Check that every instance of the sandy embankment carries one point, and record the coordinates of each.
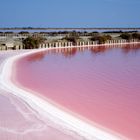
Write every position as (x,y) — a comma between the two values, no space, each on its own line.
(58,116)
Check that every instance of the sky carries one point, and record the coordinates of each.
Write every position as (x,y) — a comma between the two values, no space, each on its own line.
(69,13)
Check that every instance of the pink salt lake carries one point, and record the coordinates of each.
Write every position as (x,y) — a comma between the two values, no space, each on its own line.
(18,121)
(99,85)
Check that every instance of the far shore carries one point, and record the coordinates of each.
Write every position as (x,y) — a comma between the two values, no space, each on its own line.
(34,40)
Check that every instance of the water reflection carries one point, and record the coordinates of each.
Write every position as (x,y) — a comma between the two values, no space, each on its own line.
(71,52)
(36,56)
(134,48)
(99,49)
(66,52)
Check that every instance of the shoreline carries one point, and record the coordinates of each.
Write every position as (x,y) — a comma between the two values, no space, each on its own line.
(70,122)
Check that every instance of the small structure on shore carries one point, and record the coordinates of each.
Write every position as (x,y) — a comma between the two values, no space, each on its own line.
(11,45)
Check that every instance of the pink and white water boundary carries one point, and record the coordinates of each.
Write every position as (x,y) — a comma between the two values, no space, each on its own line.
(61,117)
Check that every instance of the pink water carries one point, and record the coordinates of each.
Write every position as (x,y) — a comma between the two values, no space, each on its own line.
(101,85)
(18,121)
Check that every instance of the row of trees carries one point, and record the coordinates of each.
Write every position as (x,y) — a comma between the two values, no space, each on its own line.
(129,36)
(100,38)
(74,37)
(32,42)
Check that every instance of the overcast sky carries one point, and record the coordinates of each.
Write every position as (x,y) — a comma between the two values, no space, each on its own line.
(70,13)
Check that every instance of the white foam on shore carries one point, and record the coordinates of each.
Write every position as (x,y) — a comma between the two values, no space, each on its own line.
(46,109)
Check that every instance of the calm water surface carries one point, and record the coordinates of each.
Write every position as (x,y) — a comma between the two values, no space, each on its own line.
(102,85)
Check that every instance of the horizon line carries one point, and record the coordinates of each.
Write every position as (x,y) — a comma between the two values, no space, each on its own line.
(69,28)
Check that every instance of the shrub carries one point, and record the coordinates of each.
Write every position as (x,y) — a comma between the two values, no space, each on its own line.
(32,42)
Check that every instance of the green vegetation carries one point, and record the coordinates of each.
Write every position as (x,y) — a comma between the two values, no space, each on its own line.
(100,38)
(72,37)
(24,32)
(136,36)
(32,42)
(129,36)
(126,36)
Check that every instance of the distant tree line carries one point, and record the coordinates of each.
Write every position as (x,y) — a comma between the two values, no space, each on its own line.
(32,42)
(129,36)
(100,38)
(68,33)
